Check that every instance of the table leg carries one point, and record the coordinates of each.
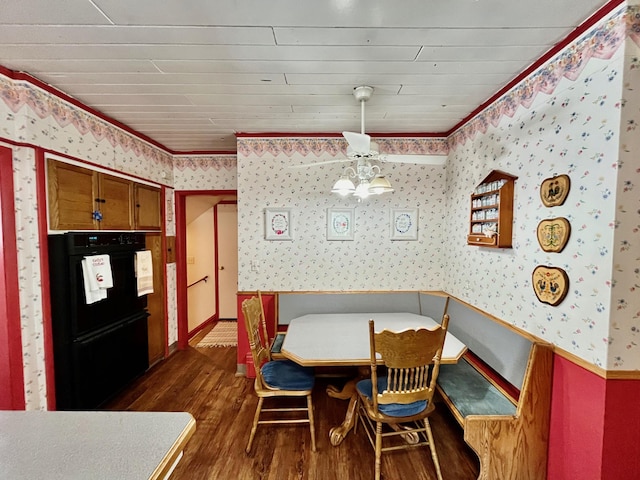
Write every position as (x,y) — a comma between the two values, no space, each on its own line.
(348,392)
(337,434)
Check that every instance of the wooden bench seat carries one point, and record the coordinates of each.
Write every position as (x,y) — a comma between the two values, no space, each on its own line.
(507,427)
(509,438)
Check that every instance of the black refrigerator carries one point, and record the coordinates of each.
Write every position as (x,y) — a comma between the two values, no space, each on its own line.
(99,348)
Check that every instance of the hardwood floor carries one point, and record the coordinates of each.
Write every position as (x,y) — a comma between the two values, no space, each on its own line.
(202,381)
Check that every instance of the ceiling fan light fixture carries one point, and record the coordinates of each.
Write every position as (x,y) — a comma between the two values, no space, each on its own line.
(380,185)
(362,190)
(343,187)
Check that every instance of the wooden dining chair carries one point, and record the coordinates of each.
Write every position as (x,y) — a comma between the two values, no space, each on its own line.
(276,378)
(401,398)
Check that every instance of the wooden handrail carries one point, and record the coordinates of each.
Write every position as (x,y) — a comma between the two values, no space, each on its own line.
(203,279)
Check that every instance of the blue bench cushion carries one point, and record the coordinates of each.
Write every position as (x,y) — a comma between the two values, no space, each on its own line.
(470,392)
(287,375)
(277,343)
(365,387)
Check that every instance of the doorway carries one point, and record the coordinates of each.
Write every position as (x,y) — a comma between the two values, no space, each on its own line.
(227,259)
(206,292)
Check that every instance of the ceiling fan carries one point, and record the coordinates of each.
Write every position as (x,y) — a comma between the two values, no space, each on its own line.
(362,150)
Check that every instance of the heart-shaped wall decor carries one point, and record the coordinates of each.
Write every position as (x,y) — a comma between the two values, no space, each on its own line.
(554,191)
(553,234)
(550,284)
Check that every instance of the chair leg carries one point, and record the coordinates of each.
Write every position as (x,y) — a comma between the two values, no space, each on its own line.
(254,427)
(378,448)
(311,424)
(432,447)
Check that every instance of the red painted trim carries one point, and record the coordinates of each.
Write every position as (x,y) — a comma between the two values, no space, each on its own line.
(503,383)
(333,135)
(209,321)
(216,264)
(577,32)
(189,193)
(12,396)
(163,242)
(23,76)
(207,152)
(181,271)
(49,364)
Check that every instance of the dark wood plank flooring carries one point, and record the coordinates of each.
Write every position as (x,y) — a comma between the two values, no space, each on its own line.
(202,381)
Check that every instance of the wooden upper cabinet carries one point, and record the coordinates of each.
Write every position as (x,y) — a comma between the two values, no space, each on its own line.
(72,194)
(115,203)
(147,207)
(84,199)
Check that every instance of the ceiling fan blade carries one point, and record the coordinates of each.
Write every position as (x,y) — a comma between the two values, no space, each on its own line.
(417,159)
(359,142)
(326,162)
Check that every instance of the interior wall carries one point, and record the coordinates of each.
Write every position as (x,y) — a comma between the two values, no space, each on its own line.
(372,261)
(547,126)
(201,297)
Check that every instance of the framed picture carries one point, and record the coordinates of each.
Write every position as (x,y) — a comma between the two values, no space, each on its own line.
(340,224)
(278,224)
(404,224)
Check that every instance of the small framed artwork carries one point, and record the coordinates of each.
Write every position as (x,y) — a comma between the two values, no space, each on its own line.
(340,224)
(278,224)
(404,224)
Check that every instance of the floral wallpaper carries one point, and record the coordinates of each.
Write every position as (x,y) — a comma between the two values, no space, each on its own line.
(624,334)
(29,277)
(572,126)
(205,172)
(577,115)
(372,261)
(37,117)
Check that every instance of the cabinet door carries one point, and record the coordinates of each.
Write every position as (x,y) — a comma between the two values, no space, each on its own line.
(116,204)
(147,207)
(72,192)
(155,301)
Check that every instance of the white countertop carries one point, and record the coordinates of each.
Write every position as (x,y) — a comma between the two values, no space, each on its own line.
(91,445)
(343,338)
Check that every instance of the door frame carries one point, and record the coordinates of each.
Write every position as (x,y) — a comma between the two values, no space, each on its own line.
(180,197)
(12,395)
(217,253)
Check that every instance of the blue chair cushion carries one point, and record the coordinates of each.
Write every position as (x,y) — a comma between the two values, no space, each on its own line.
(287,375)
(392,409)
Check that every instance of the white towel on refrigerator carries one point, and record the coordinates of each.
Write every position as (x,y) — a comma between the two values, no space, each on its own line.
(97,277)
(144,272)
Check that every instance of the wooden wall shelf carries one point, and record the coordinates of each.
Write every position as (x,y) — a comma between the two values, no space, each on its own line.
(491,218)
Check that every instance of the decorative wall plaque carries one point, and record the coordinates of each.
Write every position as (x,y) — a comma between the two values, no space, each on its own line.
(554,190)
(277,224)
(404,224)
(553,234)
(550,284)
(340,224)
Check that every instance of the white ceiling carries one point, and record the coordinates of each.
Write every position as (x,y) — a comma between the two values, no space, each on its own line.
(189,74)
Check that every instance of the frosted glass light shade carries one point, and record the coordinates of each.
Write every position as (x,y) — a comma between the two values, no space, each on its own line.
(362,190)
(380,185)
(343,187)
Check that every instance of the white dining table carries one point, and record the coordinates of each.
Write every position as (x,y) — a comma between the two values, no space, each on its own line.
(342,339)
